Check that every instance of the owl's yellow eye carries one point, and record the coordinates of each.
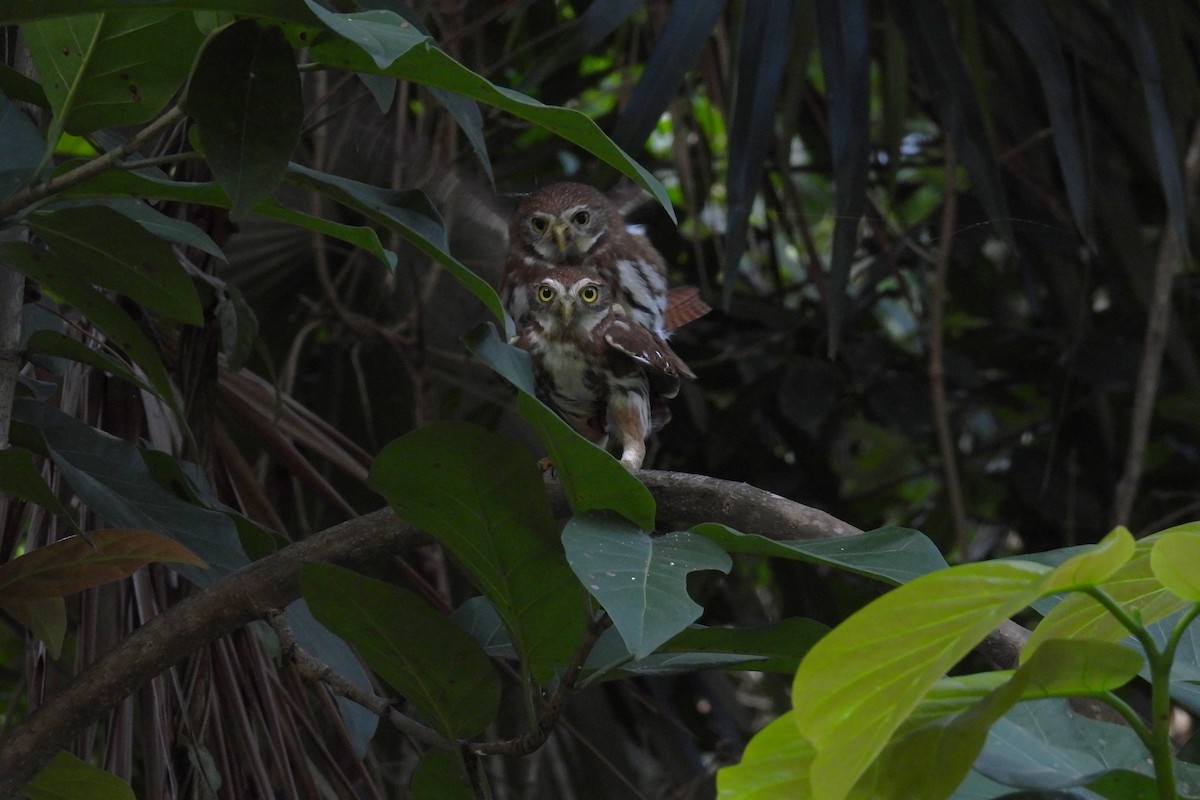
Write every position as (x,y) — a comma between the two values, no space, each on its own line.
(538,224)
(589,294)
(581,217)
(545,293)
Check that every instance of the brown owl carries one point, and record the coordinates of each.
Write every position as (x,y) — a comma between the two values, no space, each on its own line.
(572,225)
(594,365)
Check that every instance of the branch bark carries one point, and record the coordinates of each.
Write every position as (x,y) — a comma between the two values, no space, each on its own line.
(273,582)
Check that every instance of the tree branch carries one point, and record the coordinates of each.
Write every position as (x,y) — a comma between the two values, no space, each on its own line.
(273,582)
(1170,258)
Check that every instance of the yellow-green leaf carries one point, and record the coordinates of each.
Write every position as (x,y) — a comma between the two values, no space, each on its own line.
(1175,560)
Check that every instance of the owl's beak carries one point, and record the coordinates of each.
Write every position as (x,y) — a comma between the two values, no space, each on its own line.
(559,231)
(566,310)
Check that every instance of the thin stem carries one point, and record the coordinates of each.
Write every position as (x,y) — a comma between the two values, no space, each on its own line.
(314,669)
(91,169)
(937,368)
(1129,715)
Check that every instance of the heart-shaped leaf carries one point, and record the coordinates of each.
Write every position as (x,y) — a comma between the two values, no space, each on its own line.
(640,579)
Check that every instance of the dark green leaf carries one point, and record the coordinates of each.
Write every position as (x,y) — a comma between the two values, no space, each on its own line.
(439,777)
(409,213)
(846,58)
(110,250)
(69,778)
(927,31)
(381,41)
(169,228)
(27,10)
(466,113)
(111,478)
(894,555)
(641,580)
(687,30)
(780,645)
(56,275)
(1033,27)
(438,667)
(239,326)
(22,151)
(595,24)
(22,89)
(245,97)
(592,479)
(20,477)
(478,617)
(110,69)
(482,497)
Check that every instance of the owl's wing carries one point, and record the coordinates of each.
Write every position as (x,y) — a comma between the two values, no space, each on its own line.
(648,349)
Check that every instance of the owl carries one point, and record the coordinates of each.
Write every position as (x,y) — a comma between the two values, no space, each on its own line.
(572,225)
(594,364)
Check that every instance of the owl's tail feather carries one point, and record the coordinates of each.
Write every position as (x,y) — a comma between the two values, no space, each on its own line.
(683,306)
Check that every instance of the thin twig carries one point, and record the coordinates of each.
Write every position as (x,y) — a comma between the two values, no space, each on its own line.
(312,668)
(937,367)
(12,291)
(1170,258)
(534,739)
(91,169)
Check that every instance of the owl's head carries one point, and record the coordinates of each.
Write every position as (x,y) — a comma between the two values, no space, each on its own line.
(564,222)
(570,301)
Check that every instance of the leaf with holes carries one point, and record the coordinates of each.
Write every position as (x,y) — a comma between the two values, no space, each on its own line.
(640,579)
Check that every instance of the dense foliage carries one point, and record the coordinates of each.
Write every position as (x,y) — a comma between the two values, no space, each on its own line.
(247,245)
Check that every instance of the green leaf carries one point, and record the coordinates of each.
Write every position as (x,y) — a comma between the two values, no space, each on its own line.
(106,248)
(931,760)
(482,497)
(439,777)
(857,685)
(22,151)
(45,617)
(69,778)
(437,666)
(73,564)
(384,43)
(641,580)
(1175,560)
(778,646)
(478,617)
(111,69)
(245,97)
(20,477)
(239,326)
(157,223)
(147,184)
(112,479)
(591,479)
(121,331)
(409,213)
(1134,587)
(775,766)
(894,555)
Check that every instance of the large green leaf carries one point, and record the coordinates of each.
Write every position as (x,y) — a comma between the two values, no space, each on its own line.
(69,778)
(245,97)
(1046,746)
(154,221)
(775,766)
(640,579)
(894,555)
(20,477)
(592,479)
(383,42)
(409,213)
(437,666)
(931,760)
(857,685)
(482,497)
(439,777)
(113,68)
(29,10)
(108,249)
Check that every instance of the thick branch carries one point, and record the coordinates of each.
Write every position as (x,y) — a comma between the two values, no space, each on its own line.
(273,582)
